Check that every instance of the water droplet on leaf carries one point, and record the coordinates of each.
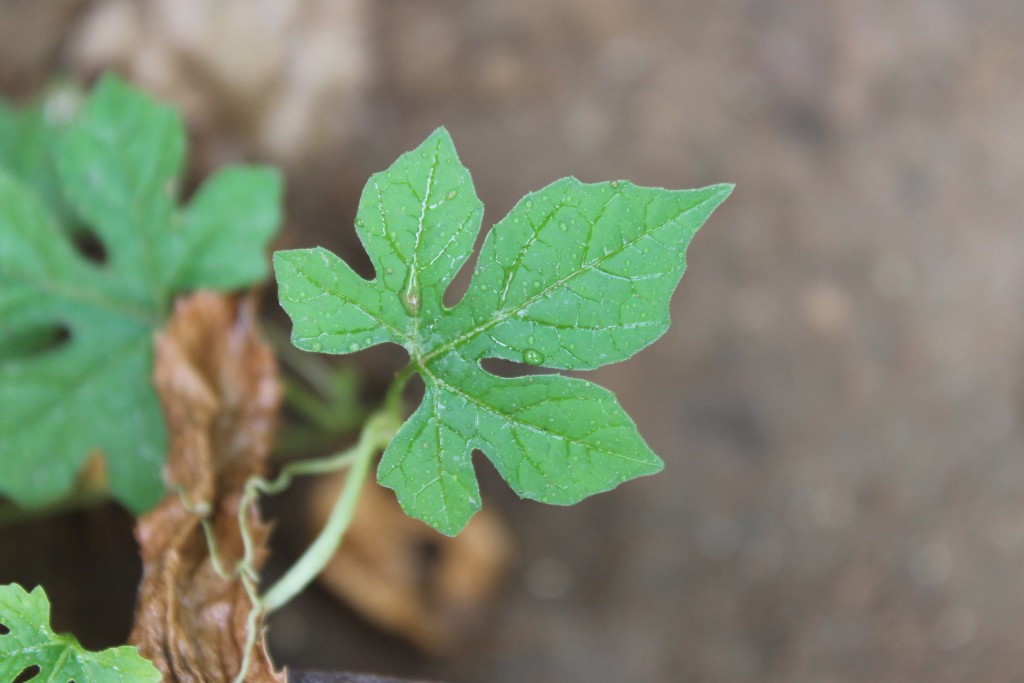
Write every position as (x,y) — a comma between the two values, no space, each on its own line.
(411,303)
(452,195)
(411,296)
(532,357)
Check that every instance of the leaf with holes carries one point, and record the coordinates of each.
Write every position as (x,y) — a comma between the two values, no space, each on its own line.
(28,643)
(575,277)
(76,339)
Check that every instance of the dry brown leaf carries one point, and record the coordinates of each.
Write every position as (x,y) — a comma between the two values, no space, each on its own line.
(218,385)
(279,78)
(406,577)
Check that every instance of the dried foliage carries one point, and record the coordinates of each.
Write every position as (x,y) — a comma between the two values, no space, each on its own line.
(217,382)
(402,575)
(279,78)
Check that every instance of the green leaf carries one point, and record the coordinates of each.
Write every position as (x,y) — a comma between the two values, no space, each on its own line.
(28,642)
(575,277)
(118,164)
(27,137)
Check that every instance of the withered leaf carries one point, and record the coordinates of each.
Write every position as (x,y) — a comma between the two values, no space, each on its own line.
(431,589)
(218,386)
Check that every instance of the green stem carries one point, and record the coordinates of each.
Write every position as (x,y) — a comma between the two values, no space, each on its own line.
(311,405)
(307,366)
(376,435)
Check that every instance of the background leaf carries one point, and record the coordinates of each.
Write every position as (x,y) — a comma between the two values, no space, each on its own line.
(30,642)
(27,141)
(90,389)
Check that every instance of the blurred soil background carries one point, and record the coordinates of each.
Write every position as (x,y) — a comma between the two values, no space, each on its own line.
(840,402)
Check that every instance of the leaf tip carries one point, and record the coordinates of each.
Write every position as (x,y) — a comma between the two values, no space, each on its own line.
(440,132)
(279,258)
(724,189)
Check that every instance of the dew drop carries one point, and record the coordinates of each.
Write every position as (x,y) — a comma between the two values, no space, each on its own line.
(614,184)
(452,195)
(316,346)
(411,302)
(562,226)
(389,271)
(367,341)
(354,346)
(529,203)
(532,357)
(411,296)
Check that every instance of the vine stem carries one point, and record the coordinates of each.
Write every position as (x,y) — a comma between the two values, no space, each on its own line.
(377,433)
(375,436)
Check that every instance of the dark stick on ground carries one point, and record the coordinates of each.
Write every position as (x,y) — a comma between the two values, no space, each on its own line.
(327,677)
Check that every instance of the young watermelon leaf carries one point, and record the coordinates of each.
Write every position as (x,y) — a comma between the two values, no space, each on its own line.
(28,643)
(575,277)
(76,339)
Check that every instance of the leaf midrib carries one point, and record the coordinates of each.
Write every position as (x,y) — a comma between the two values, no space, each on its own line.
(149,317)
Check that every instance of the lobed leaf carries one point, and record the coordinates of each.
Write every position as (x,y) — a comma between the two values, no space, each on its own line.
(29,642)
(576,276)
(76,344)
(553,439)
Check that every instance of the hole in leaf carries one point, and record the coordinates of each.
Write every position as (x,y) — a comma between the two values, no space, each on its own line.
(3,629)
(34,341)
(502,367)
(27,674)
(457,289)
(414,390)
(89,246)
